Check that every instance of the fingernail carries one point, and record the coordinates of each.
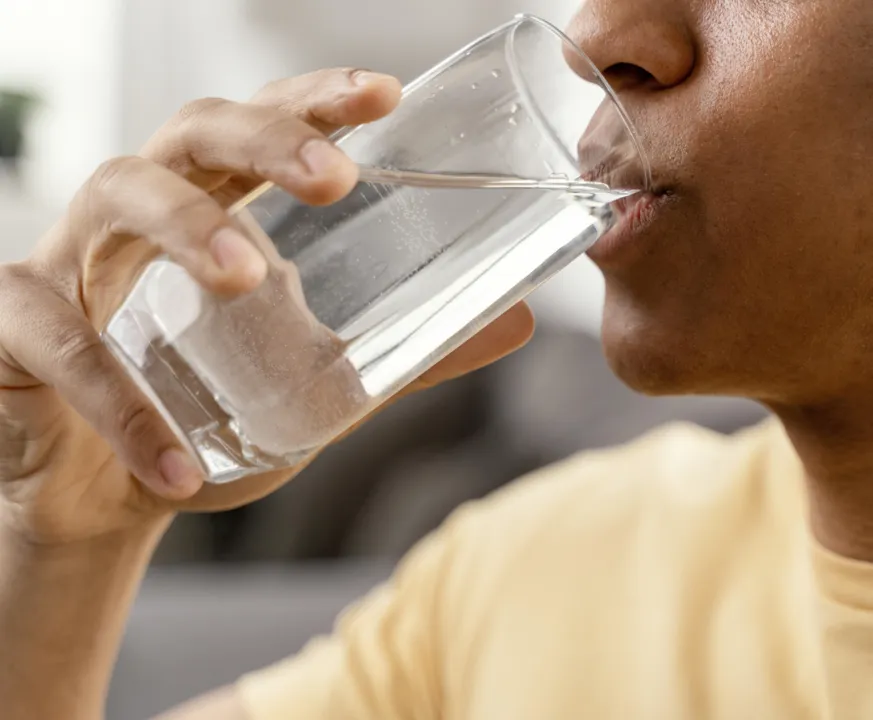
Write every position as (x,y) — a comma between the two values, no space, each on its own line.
(321,157)
(367,77)
(232,252)
(180,471)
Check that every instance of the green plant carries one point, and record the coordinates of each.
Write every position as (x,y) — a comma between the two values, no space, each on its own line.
(15,108)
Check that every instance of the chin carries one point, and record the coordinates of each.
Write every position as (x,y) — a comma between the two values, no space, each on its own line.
(644,369)
(652,358)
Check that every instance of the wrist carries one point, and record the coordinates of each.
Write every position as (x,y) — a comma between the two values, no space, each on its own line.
(139,540)
(63,609)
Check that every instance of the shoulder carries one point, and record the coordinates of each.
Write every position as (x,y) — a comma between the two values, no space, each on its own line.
(679,463)
(680,484)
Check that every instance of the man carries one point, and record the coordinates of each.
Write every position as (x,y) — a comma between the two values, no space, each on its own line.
(685,576)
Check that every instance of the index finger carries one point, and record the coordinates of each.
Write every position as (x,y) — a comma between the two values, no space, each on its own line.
(326,100)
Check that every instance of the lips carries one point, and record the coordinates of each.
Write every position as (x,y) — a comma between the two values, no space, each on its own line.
(634,217)
(609,153)
(621,169)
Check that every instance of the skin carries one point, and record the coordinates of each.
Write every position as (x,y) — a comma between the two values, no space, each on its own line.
(753,278)
(757,120)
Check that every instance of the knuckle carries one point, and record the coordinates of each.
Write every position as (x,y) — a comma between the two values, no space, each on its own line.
(171,145)
(275,89)
(13,273)
(193,203)
(195,214)
(76,352)
(319,79)
(349,73)
(196,110)
(332,75)
(110,173)
(185,135)
(134,422)
(12,277)
(276,134)
(296,94)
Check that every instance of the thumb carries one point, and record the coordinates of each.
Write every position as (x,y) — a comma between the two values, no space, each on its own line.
(52,341)
(503,336)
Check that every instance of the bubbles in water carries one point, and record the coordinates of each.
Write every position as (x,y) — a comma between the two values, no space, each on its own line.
(440,88)
(474,86)
(513,121)
(514,108)
(461,136)
(495,73)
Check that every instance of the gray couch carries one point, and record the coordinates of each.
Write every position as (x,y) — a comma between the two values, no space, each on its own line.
(196,628)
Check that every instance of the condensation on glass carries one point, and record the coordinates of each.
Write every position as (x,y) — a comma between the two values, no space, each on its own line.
(365,295)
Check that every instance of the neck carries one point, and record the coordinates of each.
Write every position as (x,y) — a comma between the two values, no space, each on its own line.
(835,444)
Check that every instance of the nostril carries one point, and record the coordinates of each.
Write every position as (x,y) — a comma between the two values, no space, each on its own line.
(625,76)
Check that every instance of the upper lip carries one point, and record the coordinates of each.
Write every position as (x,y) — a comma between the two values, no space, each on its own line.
(623,175)
(628,205)
(610,153)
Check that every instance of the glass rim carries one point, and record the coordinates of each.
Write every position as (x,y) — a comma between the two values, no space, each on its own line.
(517,21)
(522,18)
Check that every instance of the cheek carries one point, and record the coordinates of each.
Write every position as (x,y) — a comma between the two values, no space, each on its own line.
(776,143)
(771,140)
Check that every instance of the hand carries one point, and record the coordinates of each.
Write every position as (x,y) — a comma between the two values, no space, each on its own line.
(82,452)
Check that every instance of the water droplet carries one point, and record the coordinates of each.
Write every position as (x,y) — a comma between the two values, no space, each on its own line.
(495,73)
(440,88)
(513,121)
(474,86)
(461,136)
(514,108)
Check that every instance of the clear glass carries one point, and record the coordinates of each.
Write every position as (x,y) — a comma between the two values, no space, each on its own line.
(497,170)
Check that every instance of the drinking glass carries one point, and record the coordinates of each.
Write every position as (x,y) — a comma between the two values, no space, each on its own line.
(497,169)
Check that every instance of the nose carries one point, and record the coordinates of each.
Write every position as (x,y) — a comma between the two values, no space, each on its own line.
(636,43)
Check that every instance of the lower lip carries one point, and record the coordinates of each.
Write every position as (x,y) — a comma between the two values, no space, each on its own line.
(634,215)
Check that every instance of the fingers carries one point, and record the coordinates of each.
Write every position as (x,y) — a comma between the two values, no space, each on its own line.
(132,197)
(56,344)
(321,101)
(502,337)
(209,144)
(329,99)
(262,142)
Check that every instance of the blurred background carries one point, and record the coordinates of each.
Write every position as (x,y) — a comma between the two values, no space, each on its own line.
(80,82)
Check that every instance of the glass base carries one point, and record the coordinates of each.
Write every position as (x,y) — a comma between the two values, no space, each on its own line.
(188,405)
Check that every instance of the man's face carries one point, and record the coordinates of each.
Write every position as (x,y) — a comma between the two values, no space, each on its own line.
(754,275)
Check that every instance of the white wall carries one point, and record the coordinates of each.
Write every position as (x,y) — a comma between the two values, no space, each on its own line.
(68,51)
(177,51)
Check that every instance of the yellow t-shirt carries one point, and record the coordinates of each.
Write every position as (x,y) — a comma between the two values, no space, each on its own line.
(674,578)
